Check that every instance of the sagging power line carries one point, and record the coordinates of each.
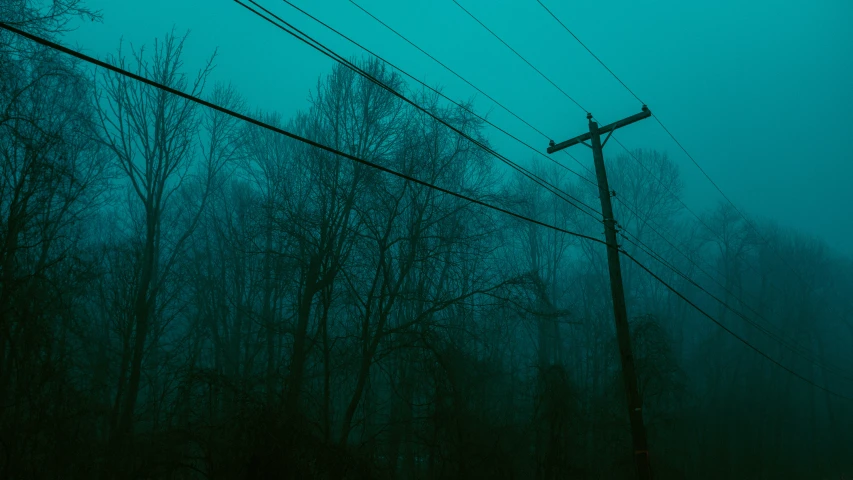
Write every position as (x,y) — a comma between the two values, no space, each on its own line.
(775,337)
(437,91)
(287,133)
(294,136)
(521,57)
(683,149)
(298,34)
(475,87)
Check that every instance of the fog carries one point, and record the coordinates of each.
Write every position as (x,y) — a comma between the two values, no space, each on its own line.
(383,274)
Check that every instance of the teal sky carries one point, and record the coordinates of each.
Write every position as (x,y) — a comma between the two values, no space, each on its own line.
(759,92)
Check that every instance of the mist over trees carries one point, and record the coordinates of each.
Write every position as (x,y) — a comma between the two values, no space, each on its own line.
(184,295)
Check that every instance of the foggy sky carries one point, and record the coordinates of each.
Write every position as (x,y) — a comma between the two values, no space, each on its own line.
(759,92)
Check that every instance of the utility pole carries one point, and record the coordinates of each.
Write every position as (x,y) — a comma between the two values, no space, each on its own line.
(629,374)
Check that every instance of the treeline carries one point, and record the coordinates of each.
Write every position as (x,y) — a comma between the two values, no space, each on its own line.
(183,295)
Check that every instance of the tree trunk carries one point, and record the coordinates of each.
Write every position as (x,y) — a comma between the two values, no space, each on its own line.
(142,311)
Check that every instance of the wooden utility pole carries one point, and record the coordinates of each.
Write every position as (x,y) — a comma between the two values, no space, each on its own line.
(623,335)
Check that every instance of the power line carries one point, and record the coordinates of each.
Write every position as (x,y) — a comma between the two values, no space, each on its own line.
(733,334)
(683,149)
(520,56)
(438,92)
(443,65)
(698,218)
(746,220)
(777,337)
(658,120)
(294,136)
(590,52)
(513,51)
(653,226)
(298,34)
(331,54)
(666,187)
(702,222)
(403,176)
(460,77)
(630,153)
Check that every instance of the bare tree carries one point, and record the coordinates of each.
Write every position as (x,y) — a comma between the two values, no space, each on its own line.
(152,136)
(354,114)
